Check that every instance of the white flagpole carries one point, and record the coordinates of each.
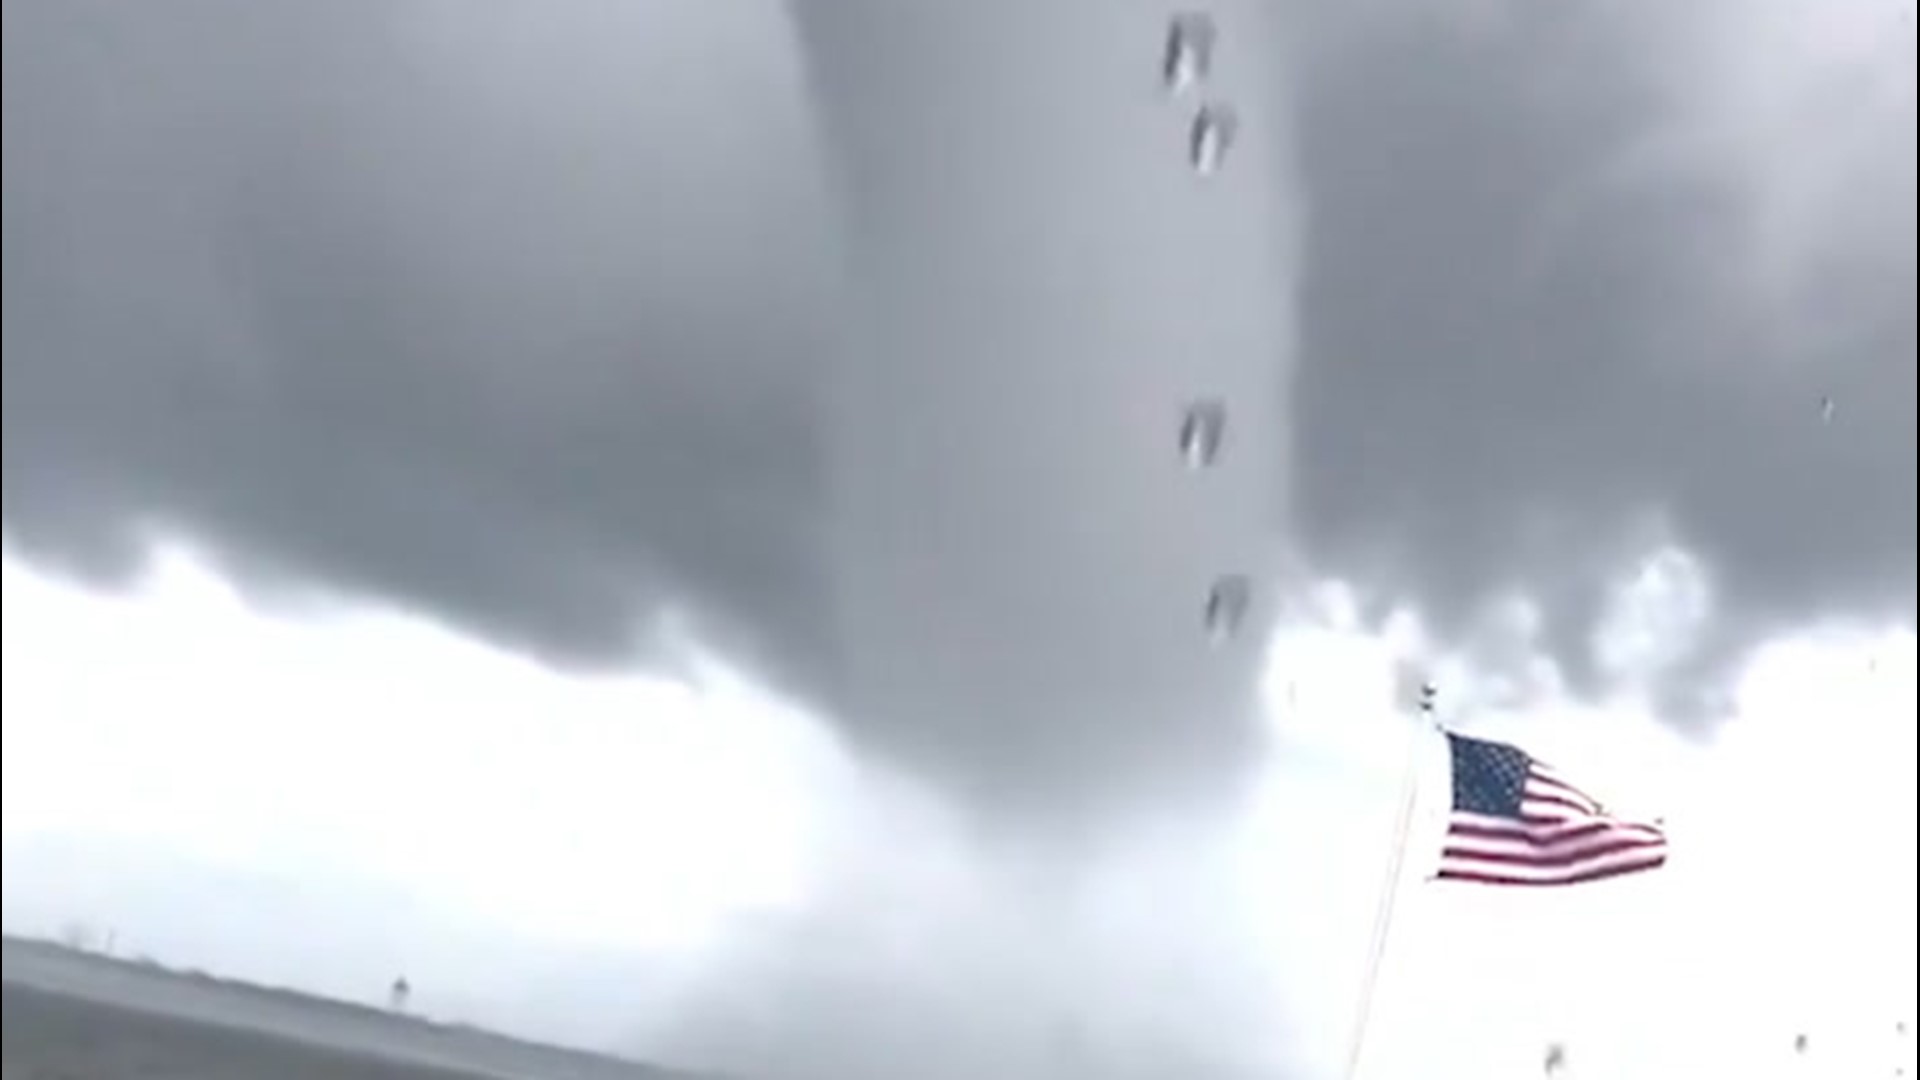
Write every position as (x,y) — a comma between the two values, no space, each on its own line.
(1396,864)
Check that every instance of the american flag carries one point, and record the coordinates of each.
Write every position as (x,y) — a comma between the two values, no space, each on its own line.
(1517,822)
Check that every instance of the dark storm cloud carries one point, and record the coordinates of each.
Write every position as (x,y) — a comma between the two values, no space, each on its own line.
(512,318)
(526,320)
(526,317)
(1549,316)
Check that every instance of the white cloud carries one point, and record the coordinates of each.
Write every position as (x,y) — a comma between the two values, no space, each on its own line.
(727,847)
(625,811)
(1655,617)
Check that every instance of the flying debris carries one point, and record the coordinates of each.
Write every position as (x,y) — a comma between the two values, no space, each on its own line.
(1826,410)
(1210,137)
(1556,1059)
(1189,52)
(1227,605)
(1202,430)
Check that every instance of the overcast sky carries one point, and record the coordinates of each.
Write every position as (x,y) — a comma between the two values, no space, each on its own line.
(612,415)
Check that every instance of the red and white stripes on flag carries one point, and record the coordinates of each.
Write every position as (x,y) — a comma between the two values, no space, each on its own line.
(1516,821)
